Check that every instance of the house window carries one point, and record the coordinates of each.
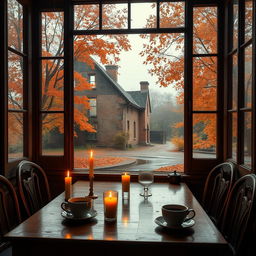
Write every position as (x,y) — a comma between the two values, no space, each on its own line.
(128,126)
(93,107)
(134,130)
(17,66)
(92,80)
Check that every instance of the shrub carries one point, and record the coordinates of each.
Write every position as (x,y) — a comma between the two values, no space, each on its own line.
(178,143)
(120,140)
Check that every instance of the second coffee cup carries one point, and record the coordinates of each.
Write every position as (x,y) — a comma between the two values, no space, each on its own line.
(175,214)
(77,206)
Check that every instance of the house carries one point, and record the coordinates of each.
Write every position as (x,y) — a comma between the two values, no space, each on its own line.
(114,110)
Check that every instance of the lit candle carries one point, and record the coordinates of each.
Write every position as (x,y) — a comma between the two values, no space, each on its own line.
(125,182)
(91,165)
(110,205)
(68,186)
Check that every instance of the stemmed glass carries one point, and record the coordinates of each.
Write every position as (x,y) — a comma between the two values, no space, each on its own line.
(146,178)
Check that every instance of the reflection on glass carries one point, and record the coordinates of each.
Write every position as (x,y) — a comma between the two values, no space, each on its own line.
(204,83)
(15,25)
(235,23)
(234,82)
(205,23)
(52,134)
(15,81)
(15,135)
(146,178)
(172,14)
(86,17)
(143,15)
(248,138)
(204,135)
(234,135)
(52,33)
(248,19)
(52,84)
(114,16)
(248,77)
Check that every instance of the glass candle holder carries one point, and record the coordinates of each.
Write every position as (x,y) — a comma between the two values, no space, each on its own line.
(110,200)
(125,185)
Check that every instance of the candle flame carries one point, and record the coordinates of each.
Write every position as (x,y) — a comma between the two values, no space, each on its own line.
(68,174)
(110,194)
(91,153)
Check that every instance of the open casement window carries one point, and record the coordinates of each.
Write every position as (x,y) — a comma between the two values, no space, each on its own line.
(16,81)
(241,83)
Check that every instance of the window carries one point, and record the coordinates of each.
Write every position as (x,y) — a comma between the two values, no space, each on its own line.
(92,80)
(128,126)
(93,107)
(52,84)
(17,66)
(241,64)
(134,130)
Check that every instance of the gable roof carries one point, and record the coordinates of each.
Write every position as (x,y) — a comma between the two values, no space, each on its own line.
(124,93)
(140,97)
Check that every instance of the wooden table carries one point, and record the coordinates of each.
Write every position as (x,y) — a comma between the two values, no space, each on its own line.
(48,233)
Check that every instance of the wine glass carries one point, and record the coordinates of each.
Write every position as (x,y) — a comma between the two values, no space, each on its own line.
(146,178)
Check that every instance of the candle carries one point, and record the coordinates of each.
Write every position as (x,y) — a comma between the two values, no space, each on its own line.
(110,199)
(125,185)
(91,165)
(68,186)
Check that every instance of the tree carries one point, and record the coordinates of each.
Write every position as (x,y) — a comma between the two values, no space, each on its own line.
(165,52)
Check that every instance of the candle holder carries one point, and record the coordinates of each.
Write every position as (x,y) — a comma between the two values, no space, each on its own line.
(91,193)
(110,200)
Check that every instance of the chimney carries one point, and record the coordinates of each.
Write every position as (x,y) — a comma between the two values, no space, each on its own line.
(112,71)
(144,86)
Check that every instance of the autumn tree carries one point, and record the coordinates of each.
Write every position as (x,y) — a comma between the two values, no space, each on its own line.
(165,52)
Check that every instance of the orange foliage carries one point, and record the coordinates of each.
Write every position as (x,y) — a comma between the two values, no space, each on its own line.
(176,167)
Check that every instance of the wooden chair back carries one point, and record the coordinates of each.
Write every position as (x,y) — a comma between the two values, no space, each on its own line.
(9,209)
(239,214)
(217,187)
(33,186)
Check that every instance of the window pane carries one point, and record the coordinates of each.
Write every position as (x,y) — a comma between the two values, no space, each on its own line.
(204,83)
(248,77)
(234,135)
(93,107)
(15,135)
(15,25)
(248,138)
(86,17)
(234,81)
(114,16)
(52,33)
(143,15)
(204,136)
(205,24)
(172,14)
(15,81)
(52,134)
(52,85)
(235,23)
(248,19)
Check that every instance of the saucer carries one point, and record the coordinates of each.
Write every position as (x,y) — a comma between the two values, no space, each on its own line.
(69,216)
(186,224)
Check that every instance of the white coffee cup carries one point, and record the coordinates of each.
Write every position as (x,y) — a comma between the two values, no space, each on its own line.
(176,214)
(77,206)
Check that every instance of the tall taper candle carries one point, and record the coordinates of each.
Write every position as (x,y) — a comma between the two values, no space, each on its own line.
(68,186)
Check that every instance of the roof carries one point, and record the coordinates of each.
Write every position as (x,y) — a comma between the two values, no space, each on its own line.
(140,97)
(136,101)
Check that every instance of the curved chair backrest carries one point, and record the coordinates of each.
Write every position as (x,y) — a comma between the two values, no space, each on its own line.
(240,213)
(217,187)
(33,186)
(9,207)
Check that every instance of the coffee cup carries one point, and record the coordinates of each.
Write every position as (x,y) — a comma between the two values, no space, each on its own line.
(77,206)
(175,214)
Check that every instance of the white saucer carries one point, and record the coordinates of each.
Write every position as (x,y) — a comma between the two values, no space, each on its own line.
(186,224)
(88,215)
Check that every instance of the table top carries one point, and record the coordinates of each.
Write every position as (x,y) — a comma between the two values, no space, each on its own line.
(135,219)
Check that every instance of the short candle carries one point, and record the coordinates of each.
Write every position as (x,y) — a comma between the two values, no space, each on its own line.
(110,205)
(68,186)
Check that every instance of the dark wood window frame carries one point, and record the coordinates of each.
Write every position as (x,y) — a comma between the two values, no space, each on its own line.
(242,44)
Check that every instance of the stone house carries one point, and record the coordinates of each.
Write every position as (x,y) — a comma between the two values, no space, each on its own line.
(113,109)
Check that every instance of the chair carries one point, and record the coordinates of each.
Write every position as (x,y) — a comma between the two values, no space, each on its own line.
(33,186)
(9,212)
(217,187)
(239,214)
